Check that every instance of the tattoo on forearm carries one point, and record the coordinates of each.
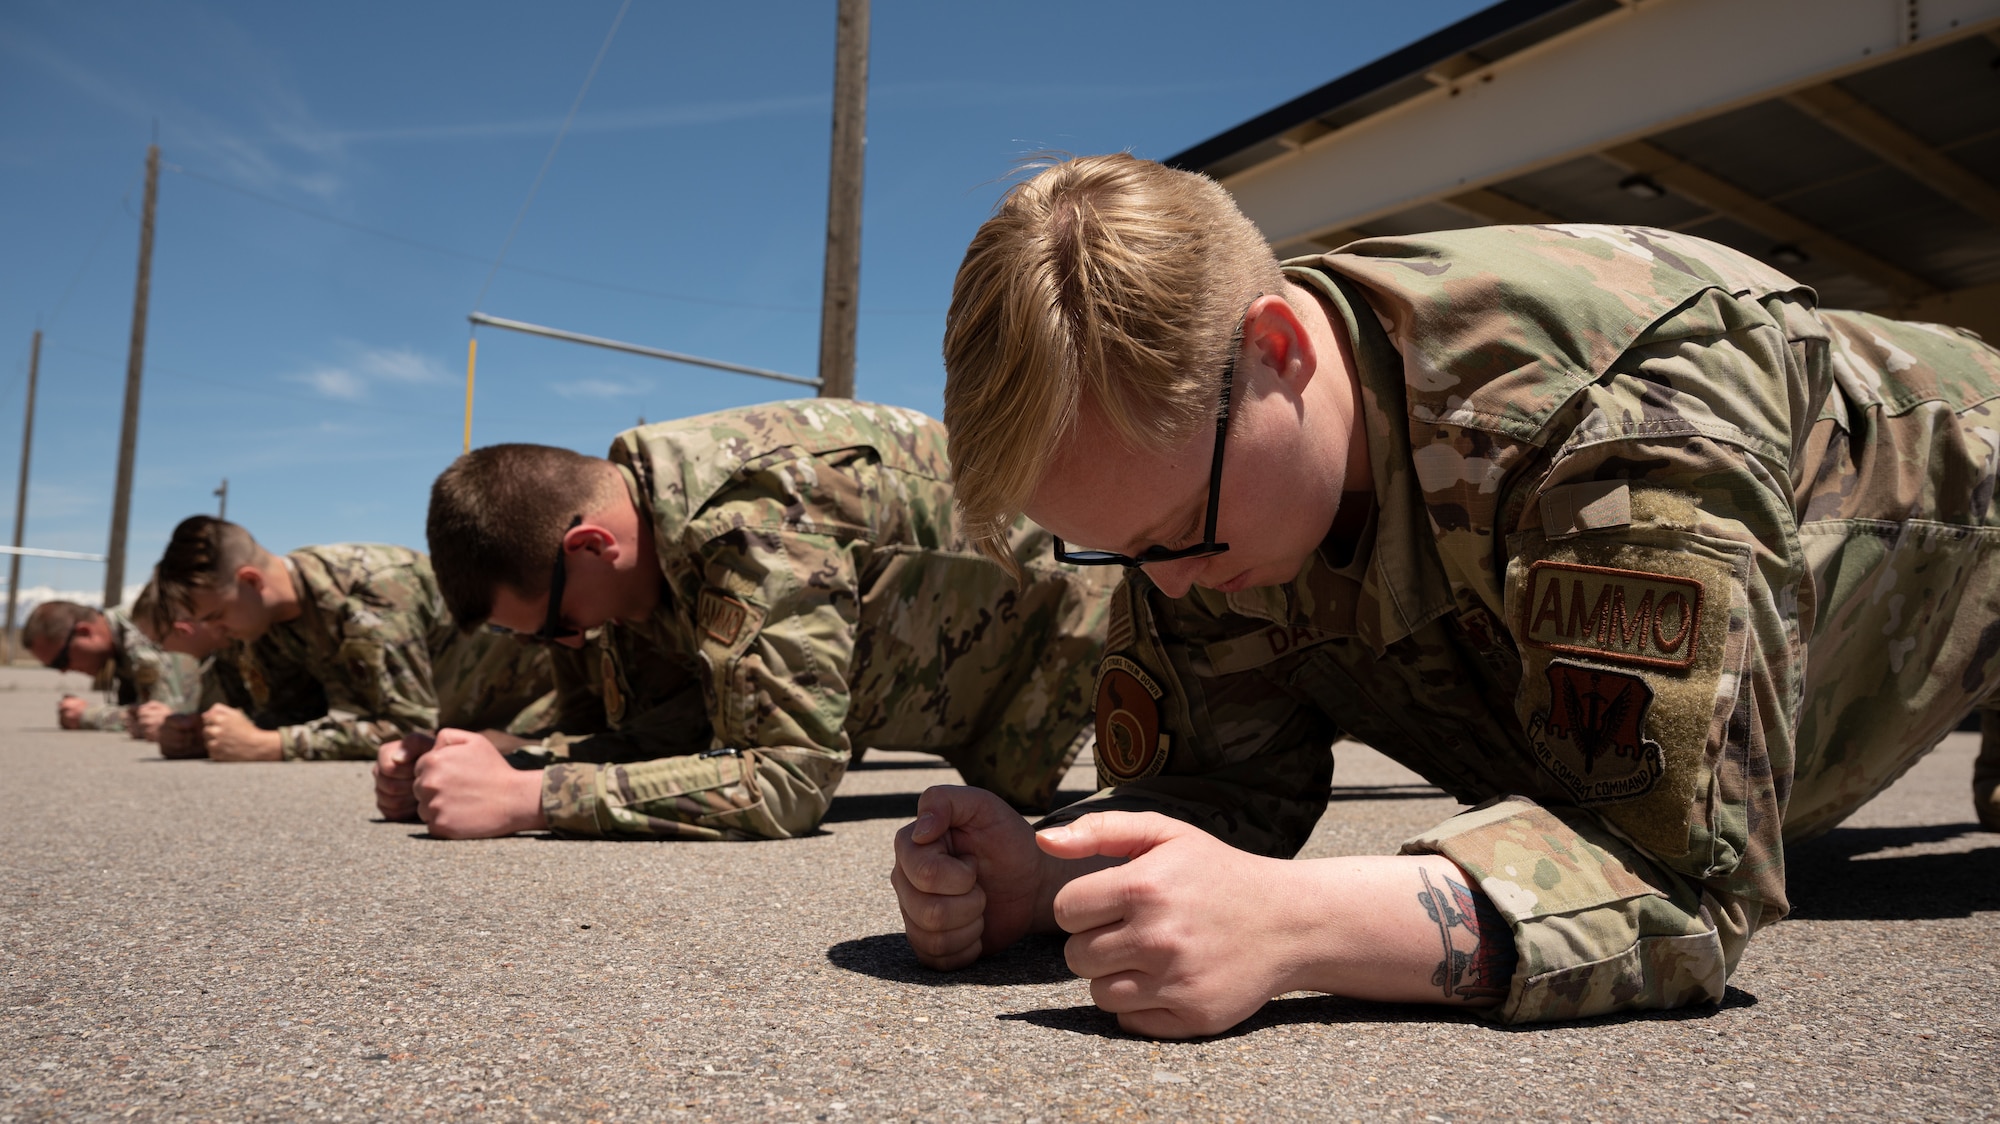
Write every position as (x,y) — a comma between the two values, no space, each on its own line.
(1478,946)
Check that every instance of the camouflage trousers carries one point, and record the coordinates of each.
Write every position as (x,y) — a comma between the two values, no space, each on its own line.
(1904,624)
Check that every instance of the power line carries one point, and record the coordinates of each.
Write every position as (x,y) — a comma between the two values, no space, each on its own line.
(95,245)
(565,278)
(551,157)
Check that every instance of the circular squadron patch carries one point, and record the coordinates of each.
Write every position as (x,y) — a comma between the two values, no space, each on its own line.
(1130,745)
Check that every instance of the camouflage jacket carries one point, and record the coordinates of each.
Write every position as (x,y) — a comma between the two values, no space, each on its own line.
(1663,569)
(139,672)
(816,601)
(372,655)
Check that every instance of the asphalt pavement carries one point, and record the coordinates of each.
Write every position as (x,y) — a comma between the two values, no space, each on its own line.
(189,940)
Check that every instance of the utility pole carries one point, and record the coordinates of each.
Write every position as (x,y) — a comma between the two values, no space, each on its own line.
(21,493)
(222,497)
(841,292)
(135,364)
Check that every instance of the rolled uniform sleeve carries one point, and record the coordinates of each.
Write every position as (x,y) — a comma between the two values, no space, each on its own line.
(774,623)
(101,716)
(1662,676)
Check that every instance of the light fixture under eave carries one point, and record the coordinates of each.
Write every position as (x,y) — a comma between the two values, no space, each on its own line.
(1788,254)
(1639,185)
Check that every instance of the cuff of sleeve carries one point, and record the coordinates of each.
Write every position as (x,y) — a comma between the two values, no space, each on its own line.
(570,798)
(293,744)
(100,717)
(1592,933)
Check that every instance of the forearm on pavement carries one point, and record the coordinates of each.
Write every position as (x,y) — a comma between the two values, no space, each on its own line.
(774,792)
(1391,928)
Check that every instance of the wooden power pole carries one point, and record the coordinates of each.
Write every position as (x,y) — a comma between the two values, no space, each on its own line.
(135,364)
(841,293)
(21,492)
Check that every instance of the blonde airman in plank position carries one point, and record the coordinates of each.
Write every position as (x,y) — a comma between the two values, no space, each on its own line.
(1603,530)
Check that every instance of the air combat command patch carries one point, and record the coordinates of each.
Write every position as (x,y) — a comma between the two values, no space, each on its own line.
(1592,738)
(1130,745)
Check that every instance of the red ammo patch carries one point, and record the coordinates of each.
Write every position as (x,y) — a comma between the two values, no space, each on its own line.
(1129,743)
(1626,616)
(721,617)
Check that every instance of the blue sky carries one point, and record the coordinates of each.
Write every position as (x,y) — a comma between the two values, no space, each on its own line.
(319,366)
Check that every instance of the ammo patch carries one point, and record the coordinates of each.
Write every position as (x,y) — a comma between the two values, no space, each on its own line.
(1592,737)
(721,617)
(1130,745)
(1624,616)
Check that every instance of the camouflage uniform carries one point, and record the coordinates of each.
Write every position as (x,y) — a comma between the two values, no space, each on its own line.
(817,601)
(373,655)
(1663,571)
(139,671)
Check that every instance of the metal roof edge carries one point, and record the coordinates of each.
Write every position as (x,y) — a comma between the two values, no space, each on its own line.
(1480,27)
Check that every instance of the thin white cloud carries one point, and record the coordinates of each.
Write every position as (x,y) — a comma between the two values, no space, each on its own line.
(351,380)
(400,364)
(334,382)
(279,146)
(615,121)
(601,388)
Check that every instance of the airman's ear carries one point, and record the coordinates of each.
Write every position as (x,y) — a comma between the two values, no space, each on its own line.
(1277,337)
(251,576)
(591,538)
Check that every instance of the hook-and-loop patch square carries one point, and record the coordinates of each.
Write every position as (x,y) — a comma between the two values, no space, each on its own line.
(1621,616)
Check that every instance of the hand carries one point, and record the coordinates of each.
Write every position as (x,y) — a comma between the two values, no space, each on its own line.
(395,770)
(143,721)
(69,712)
(1191,936)
(180,737)
(466,790)
(231,736)
(969,878)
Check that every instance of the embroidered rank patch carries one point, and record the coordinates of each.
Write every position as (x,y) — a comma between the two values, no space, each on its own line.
(1623,616)
(720,617)
(1130,745)
(1592,738)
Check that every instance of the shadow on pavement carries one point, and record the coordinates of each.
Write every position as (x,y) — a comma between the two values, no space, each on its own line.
(1036,960)
(899,806)
(1384,792)
(874,806)
(1843,877)
(1329,1010)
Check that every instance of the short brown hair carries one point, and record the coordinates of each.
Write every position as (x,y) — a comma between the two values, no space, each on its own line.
(497,515)
(54,620)
(204,554)
(1103,281)
(145,613)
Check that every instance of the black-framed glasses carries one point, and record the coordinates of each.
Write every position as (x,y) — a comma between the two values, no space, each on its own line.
(552,629)
(61,662)
(1207,546)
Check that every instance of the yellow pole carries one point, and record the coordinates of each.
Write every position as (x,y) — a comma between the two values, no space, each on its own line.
(471,357)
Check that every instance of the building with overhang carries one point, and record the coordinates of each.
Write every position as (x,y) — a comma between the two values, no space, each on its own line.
(1854,144)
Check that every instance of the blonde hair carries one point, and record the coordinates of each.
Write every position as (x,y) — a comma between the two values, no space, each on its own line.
(1104,282)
